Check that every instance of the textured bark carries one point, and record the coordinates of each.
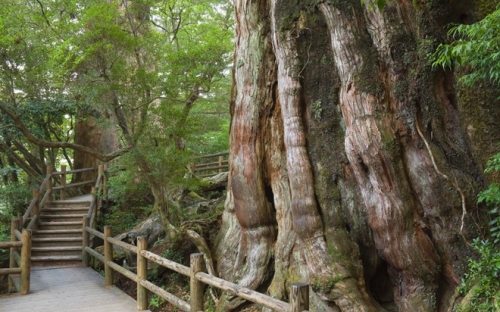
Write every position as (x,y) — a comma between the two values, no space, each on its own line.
(354,165)
(97,136)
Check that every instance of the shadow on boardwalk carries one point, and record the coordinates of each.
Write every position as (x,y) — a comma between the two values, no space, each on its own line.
(68,289)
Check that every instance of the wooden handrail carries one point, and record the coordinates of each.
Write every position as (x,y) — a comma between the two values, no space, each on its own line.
(221,165)
(76,184)
(99,189)
(213,155)
(18,263)
(73,171)
(299,293)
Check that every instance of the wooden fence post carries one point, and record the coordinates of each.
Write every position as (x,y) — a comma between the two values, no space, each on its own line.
(196,287)
(49,182)
(63,183)
(108,256)
(85,242)
(25,262)
(14,225)
(93,217)
(142,274)
(299,297)
(221,159)
(36,208)
(104,185)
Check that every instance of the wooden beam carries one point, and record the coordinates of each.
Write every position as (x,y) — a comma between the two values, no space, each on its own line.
(244,292)
(95,254)
(196,287)
(85,242)
(174,266)
(179,303)
(94,232)
(299,297)
(10,244)
(8,271)
(142,274)
(25,262)
(123,245)
(108,257)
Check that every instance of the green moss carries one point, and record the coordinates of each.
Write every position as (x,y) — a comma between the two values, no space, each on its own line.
(367,78)
(325,285)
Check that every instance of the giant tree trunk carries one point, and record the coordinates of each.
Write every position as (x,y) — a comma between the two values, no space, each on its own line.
(354,165)
(97,134)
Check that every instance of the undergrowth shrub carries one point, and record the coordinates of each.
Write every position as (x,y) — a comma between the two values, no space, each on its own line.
(481,284)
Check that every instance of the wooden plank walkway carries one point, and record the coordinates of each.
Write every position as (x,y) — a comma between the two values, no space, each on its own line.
(68,289)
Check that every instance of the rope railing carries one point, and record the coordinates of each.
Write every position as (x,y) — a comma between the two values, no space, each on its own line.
(299,292)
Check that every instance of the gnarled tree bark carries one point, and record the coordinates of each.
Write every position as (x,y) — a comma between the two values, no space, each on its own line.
(351,158)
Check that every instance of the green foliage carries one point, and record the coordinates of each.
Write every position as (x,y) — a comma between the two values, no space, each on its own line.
(156,301)
(481,284)
(4,236)
(126,186)
(14,197)
(491,196)
(379,4)
(475,47)
(166,63)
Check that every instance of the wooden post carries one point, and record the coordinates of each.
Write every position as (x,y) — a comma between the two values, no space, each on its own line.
(85,242)
(104,183)
(14,225)
(63,183)
(36,208)
(100,193)
(93,217)
(108,256)
(49,183)
(196,287)
(142,274)
(25,262)
(221,158)
(299,297)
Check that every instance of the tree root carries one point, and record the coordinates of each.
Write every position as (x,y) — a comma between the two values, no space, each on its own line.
(202,246)
(453,182)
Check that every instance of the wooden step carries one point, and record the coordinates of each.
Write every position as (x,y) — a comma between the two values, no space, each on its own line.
(68,210)
(44,233)
(56,258)
(36,232)
(67,203)
(61,225)
(48,249)
(56,241)
(59,216)
(56,251)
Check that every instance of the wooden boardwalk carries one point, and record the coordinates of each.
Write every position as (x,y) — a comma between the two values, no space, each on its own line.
(68,289)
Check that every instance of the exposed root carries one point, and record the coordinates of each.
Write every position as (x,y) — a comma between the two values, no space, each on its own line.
(453,182)
(202,246)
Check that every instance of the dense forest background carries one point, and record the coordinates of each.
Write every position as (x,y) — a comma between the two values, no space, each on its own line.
(362,137)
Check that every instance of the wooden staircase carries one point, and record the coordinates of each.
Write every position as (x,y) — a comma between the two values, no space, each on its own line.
(58,237)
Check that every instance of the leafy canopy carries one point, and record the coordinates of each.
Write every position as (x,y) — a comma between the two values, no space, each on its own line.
(475,47)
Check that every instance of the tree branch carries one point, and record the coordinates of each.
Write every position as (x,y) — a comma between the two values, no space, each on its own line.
(47,144)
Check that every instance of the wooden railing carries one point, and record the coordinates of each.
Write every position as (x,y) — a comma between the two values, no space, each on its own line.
(210,165)
(299,293)
(21,238)
(18,263)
